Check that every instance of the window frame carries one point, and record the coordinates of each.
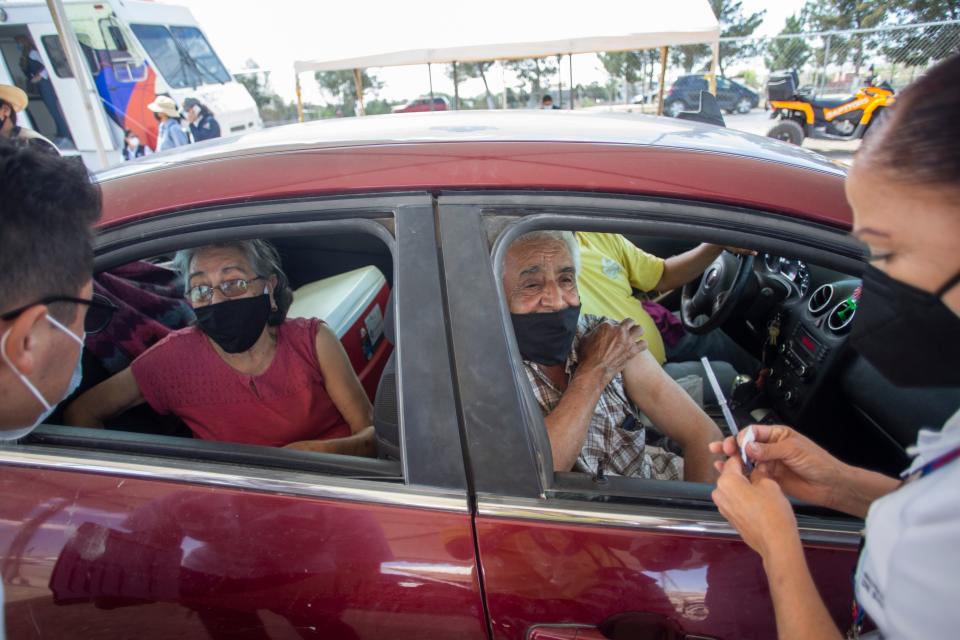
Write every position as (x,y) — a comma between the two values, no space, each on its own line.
(497,219)
(386,218)
(56,56)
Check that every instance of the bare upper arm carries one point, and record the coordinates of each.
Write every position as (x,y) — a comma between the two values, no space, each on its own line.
(341,381)
(114,395)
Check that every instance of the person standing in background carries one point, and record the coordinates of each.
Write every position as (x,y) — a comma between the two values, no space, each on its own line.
(133,147)
(12,101)
(203,126)
(32,66)
(170,135)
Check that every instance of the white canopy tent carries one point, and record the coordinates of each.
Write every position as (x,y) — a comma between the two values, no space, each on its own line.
(516,29)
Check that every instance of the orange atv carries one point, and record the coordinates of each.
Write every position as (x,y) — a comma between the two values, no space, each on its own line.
(803,116)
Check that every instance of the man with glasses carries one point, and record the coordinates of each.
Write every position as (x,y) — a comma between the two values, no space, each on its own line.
(46,293)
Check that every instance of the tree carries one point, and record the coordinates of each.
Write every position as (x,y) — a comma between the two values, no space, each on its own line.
(733,24)
(918,47)
(832,15)
(273,109)
(532,72)
(341,85)
(789,53)
(475,70)
(624,65)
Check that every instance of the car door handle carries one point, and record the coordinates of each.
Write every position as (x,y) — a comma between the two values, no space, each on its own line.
(623,626)
(564,632)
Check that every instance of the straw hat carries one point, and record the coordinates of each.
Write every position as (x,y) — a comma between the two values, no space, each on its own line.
(164,105)
(14,96)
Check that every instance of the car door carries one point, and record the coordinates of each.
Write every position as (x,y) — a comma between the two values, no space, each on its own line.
(108,534)
(576,555)
(726,93)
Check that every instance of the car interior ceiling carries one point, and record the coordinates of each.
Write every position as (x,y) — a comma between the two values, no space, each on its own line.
(305,259)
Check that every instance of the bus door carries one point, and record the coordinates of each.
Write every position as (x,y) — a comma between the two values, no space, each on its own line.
(68,96)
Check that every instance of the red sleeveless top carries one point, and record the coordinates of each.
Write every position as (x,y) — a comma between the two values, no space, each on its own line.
(183,375)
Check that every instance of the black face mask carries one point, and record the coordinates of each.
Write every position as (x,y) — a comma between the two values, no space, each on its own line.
(235,324)
(546,338)
(909,334)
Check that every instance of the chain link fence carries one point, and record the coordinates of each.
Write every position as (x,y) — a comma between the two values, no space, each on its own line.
(839,61)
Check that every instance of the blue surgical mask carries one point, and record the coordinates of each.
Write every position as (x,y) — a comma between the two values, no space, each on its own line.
(16,434)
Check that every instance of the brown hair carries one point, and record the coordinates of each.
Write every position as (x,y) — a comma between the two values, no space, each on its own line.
(920,141)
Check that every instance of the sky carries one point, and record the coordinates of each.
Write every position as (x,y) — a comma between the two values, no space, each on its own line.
(277,33)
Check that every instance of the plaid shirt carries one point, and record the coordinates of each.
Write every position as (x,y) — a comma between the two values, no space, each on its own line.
(625,451)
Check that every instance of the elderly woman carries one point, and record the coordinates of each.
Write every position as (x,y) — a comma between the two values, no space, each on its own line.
(590,375)
(244,373)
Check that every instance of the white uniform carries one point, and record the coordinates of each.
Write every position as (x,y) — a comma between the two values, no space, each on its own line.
(908,578)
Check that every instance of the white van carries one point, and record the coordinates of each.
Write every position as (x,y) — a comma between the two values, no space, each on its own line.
(134,51)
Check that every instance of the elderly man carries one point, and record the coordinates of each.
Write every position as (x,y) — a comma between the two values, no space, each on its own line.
(592,377)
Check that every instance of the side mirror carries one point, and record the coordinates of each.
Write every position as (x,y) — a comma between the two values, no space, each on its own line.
(709,111)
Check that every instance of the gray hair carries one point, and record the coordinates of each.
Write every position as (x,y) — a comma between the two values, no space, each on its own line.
(565,237)
(264,260)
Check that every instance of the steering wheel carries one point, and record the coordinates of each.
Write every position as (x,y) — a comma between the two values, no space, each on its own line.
(707,305)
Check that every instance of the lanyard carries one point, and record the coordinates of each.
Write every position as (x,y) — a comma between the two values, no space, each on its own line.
(857,612)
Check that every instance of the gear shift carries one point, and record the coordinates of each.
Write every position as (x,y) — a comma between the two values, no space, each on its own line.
(742,391)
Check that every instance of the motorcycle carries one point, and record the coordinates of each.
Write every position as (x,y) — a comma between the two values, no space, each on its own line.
(802,115)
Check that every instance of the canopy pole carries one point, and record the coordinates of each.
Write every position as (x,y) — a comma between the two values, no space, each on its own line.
(663,78)
(560,80)
(456,88)
(430,75)
(503,79)
(572,97)
(358,83)
(68,40)
(714,65)
(299,98)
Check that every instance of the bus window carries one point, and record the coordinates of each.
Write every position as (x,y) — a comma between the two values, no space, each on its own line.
(172,60)
(57,58)
(195,44)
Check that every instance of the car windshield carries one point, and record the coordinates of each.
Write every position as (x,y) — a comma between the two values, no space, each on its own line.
(184,58)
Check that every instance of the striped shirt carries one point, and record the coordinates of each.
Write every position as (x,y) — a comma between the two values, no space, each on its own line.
(624,450)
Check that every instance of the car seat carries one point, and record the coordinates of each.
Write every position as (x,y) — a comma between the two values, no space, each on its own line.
(386,413)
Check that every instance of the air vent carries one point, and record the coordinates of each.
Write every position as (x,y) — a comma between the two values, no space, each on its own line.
(842,315)
(820,299)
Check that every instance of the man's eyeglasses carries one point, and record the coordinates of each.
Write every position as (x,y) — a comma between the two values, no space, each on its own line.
(203,293)
(99,312)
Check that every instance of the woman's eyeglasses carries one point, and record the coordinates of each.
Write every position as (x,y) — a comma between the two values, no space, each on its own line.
(99,310)
(203,293)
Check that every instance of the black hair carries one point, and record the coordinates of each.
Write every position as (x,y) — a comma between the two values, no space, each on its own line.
(13,112)
(47,207)
(189,103)
(546,97)
(918,142)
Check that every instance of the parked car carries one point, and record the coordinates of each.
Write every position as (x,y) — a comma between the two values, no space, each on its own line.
(684,95)
(423,104)
(460,529)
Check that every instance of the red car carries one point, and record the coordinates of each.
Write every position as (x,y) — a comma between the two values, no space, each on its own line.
(423,104)
(460,529)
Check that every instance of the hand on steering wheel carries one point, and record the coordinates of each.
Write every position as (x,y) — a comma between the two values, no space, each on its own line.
(706,305)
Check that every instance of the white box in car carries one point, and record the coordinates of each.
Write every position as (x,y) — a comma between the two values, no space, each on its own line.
(340,300)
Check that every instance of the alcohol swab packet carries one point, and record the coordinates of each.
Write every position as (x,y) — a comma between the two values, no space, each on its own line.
(748,436)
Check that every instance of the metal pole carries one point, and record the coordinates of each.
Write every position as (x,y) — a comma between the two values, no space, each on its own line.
(358,83)
(823,72)
(299,98)
(572,86)
(560,80)
(430,74)
(503,79)
(68,40)
(663,78)
(456,88)
(714,65)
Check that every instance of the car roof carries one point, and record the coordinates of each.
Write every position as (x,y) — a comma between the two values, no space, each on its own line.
(482,150)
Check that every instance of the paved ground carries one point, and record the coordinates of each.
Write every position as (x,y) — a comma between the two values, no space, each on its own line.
(758,122)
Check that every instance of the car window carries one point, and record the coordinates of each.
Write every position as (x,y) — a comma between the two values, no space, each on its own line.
(178,359)
(723,83)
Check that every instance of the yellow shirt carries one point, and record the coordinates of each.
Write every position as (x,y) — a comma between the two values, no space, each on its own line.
(611,268)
